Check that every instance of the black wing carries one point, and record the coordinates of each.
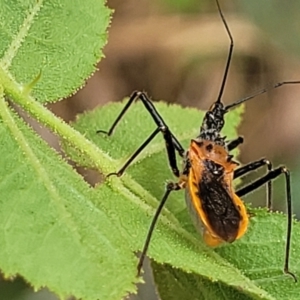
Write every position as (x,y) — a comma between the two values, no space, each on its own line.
(222,214)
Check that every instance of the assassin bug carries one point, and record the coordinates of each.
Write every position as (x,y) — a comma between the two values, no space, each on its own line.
(209,170)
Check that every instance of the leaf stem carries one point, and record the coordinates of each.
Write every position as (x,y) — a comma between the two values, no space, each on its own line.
(44,116)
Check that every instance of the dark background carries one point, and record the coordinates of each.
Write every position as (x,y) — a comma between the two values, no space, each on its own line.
(176,51)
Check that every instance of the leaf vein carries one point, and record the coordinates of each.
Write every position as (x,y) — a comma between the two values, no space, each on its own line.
(20,36)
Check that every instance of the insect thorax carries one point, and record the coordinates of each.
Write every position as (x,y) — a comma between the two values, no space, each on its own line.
(212,124)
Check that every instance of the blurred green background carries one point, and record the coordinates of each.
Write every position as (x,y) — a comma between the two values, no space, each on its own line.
(176,51)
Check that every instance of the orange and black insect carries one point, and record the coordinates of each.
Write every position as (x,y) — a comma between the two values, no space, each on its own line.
(209,170)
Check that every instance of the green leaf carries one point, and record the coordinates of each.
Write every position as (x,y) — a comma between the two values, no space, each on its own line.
(59,232)
(55,231)
(252,266)
(48,214)
(61,40)
(174,284)
(35,60)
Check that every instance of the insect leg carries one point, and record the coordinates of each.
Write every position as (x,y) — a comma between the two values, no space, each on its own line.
(254,166)
(152,111)
(169,147)
(135,154)
(272,174)
(172,144)
(251,167)
(234,143)
(171,186)
(133,97)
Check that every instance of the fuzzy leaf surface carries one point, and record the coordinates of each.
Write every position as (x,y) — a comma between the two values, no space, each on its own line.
(54,230)
(60,41)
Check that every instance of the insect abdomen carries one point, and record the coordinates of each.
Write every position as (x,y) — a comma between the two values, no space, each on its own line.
(215,209)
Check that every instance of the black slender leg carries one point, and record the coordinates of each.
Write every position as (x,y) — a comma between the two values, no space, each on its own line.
(170,151)
(152,111)
(171,186)
(172,144)
(254,166)
(251,167)
(261,181)
(135,154)
(234,143)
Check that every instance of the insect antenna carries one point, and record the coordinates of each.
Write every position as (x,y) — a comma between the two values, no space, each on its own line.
(229,54)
